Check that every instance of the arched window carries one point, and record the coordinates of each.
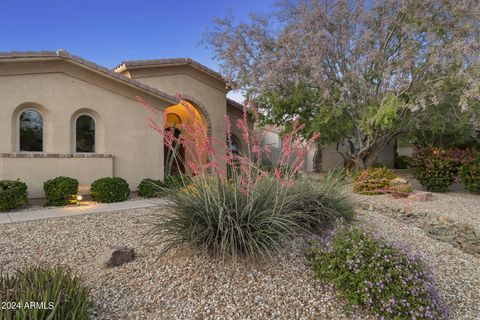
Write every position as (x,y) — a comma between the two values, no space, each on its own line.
(85,134)
(31,131)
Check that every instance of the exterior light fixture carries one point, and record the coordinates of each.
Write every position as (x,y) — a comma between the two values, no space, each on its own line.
(79,198)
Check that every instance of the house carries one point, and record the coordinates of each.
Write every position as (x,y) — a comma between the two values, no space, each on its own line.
(61,115)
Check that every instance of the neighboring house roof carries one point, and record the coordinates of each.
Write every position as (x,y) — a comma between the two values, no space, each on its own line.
(234,103)
(132,64)
(60,54)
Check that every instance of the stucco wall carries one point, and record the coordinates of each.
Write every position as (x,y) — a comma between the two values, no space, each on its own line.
(34,171)
(206,93)
(122,126)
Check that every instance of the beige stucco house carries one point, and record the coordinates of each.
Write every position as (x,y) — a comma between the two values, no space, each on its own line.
(61,115)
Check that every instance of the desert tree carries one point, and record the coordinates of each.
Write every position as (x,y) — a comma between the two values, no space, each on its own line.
(364,70)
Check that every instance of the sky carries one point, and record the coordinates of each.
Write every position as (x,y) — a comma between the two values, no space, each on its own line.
(108,32)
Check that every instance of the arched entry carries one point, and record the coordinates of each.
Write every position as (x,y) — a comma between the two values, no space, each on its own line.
(176,117)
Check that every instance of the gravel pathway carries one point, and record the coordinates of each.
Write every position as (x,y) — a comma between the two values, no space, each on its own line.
(177,285)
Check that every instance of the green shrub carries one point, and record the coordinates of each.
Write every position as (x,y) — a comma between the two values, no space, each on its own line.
(110,189)
(373,180)
(218,216)
(470,174)
(63,295)
(381,277)
(213,215)
(403,162)
(150,188)
(13,194)
(323,203)
(435,169)
(61,191)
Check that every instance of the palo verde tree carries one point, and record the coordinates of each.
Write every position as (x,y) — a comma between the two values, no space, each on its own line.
(365,70)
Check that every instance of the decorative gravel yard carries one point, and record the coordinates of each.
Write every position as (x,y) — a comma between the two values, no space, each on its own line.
(176,285)
(182,284)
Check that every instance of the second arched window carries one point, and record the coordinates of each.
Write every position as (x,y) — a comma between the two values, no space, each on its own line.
(85,134)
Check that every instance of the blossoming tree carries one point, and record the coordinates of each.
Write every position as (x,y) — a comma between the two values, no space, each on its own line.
(351,68)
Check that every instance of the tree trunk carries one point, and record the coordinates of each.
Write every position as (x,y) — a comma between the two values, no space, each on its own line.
(367,156)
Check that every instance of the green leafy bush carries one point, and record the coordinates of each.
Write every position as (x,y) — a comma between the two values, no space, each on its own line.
(373,274)
(373,180)
(110,189)
(435,169)
(61,191)
(470,174)
(63,295)
(13,194)
(150,188)
(403,162)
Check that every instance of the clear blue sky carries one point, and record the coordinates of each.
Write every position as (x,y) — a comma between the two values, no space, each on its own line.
(108,32)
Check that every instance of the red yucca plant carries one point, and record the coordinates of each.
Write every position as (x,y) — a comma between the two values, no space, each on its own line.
(232,206)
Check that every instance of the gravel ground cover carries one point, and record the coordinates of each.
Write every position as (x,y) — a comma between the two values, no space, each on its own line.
(456,273)
(461,207)
(177,285)
(182,285)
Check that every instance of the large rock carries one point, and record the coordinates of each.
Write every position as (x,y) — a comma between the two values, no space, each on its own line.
(115,256)
(421,196)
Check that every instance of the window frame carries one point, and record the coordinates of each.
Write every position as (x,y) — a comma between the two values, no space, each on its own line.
(19,137)
(74,129)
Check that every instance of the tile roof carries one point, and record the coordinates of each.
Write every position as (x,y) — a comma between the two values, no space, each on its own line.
(91,65)
(170,62)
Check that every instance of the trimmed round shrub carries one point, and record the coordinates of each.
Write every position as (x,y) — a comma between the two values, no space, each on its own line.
(148,188)
(373,180)
(383,278)
(435,169)
(110,189)
(63,295)
(61,191)
(13,194)
(470,175)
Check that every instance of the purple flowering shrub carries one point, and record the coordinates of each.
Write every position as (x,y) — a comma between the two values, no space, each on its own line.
(381,277)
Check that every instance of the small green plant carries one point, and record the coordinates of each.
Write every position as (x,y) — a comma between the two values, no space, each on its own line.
(110,189)
(385,279)
(61,191)
(43,293)
(470,174)
(435,169)
(373,180)
(13,194)
(150,188)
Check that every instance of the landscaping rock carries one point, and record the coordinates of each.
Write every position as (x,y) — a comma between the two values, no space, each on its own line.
(421,196)
(398,181)
(116,256)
